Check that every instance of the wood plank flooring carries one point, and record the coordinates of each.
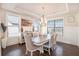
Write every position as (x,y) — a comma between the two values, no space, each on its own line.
(62,49)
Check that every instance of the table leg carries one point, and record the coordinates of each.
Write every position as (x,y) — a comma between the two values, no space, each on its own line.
(41,49)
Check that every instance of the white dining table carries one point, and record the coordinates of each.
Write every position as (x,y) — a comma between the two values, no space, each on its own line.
(41,39)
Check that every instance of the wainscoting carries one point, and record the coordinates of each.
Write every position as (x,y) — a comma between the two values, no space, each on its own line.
(70,35)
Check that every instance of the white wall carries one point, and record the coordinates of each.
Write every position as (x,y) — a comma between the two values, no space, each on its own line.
(78,36)
(77,17)
(70,29)
(70,35)
(2,14)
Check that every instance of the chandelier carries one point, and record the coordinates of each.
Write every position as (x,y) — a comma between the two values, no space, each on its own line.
(43,18)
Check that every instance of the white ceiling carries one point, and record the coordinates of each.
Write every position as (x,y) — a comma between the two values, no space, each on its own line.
(35,9)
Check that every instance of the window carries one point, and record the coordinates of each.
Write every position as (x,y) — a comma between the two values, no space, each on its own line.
(50,26)
(55,26)
(13,31)
(36,25)
(13,25)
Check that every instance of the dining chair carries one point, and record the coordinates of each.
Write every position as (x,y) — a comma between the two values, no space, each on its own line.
(51,43)
(35,34)
(29,44)
(54,39)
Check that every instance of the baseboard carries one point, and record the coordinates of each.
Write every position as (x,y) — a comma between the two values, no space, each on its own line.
(68,43)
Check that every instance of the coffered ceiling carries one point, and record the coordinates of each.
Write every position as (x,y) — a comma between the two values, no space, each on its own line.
(35,9)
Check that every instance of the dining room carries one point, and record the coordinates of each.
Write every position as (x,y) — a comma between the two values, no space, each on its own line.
(39,29)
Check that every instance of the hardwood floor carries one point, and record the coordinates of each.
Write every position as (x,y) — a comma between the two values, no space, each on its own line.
(62,49)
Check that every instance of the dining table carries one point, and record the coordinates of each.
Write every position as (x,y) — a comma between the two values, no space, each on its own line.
(40,40)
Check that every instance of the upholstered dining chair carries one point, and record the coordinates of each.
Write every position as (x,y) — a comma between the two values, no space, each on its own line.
(54,39)
(35,34)
(51,43)
(29,44)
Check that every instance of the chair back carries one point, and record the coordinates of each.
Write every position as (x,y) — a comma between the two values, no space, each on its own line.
(53,38)
(28,40)
(35,34)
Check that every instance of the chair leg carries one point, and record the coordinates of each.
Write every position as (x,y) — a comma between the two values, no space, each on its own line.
(31,53)
(26,52)
(41,50)
(49,51)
